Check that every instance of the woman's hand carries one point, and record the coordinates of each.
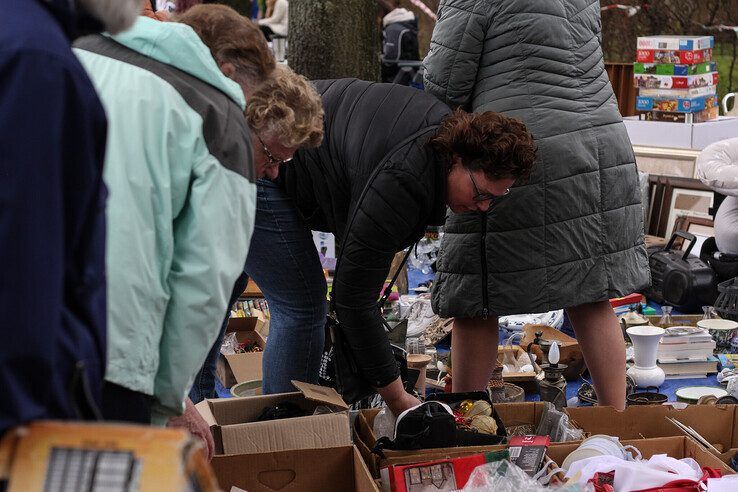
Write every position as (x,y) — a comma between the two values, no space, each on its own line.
(398,400)
(193,422)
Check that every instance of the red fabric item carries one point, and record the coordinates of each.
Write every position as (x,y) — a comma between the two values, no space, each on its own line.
(687,485)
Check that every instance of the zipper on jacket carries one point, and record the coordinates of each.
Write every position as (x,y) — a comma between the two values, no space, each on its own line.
(483,245)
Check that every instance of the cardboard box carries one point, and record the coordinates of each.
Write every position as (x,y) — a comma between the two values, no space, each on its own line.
(648,81)
(671,42)
(50,455)
(676,57)
(716,423)
(672,69)
(681,93)
(676,104)
(235,430)
(339,469)
(511,414)
(238,368)
(676,447)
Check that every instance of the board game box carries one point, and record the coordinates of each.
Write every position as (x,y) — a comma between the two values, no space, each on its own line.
(647,81)
(671,69)
(682,43)
(708,114)
(675,104)
(683,93)
(677,57)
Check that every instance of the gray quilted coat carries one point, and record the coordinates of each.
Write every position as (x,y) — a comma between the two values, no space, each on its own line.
(574,233)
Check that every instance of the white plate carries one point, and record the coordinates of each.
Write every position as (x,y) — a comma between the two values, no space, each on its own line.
(694,393)
(717,324)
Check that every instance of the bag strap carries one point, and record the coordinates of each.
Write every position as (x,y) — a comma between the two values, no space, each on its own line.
(349,224)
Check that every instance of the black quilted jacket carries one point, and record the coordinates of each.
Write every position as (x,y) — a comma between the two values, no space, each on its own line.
(374,140)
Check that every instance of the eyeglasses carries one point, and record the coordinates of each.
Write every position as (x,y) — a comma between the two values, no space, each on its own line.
(273,161)
(483,197)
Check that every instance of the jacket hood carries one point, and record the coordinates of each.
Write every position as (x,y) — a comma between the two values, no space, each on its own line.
(398,15)
(177,45)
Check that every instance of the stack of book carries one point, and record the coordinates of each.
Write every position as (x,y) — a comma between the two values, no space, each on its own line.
(687,356)
(676,78)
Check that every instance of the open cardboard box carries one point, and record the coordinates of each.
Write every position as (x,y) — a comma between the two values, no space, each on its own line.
(236,431)
(676,447)
(339,469)
(718,424)
(677,319)
(511,414)
(238,368)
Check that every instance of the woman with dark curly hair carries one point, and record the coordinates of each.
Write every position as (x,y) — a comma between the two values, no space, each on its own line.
(391,160)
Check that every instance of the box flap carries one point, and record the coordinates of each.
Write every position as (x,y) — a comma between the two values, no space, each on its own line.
(316,431)
(321,394)
(206,412)
(245,367)
(250,323)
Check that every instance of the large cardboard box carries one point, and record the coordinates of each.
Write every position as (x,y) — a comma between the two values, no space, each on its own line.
(236,431)
(716,423)
(339,469)
(676,447)
(238,368)
(511,414)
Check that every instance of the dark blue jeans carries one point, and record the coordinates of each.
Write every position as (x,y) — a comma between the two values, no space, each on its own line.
(285,265)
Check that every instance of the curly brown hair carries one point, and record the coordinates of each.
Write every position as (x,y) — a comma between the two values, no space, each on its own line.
(232,38)
(288,107)
(499,146)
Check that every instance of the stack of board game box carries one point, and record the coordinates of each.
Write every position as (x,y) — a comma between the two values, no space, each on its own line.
(676,79)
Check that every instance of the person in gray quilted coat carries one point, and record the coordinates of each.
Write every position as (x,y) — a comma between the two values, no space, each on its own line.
(572,236)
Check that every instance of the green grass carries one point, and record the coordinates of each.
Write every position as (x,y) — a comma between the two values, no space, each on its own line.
(723,56)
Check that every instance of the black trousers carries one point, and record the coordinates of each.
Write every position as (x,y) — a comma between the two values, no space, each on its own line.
(267,32)
(121,404)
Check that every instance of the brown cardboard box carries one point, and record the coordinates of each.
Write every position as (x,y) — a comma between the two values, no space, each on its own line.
(676,447)
(238,368)
(339,469)
(235,430)
(718,424)
(677,319)
(512,414)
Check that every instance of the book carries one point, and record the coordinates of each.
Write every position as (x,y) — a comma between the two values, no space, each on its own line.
(671,42)
(648,81)
(686,368)
(678,348)
(675,57)
(673,69)
(676,104)
(698,337)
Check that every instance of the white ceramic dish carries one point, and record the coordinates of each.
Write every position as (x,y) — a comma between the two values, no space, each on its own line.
(691,394)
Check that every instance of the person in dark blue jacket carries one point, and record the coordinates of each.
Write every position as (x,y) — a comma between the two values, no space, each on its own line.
(52,210)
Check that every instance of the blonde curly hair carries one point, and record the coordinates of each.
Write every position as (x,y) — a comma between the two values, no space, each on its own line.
(287,106)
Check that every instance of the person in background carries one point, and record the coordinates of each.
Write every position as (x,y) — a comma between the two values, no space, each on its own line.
(399,40)
(148,11)
(180,166)
(52,206)
(276,20)
(573,236)
(717,167)
(302,128)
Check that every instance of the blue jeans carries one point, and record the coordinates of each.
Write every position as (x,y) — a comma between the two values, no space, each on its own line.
(285,265)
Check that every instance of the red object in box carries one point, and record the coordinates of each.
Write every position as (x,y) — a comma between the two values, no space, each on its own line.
(444,475)
(629,299)
(676,57)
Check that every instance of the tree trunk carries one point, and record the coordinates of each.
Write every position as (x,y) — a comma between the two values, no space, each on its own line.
(330,39)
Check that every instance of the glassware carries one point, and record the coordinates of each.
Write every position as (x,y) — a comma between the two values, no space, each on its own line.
(709,312)
(414,345)
(666,319)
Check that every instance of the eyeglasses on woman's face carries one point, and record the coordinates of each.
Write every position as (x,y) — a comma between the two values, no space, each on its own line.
(272,160)
(483,197)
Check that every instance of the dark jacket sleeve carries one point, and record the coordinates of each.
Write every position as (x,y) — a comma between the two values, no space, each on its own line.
(394,208)
(51,151)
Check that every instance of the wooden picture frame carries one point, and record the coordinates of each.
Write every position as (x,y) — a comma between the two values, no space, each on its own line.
(690,191)
(701,227)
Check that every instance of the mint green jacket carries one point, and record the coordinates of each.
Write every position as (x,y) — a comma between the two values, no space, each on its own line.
(182,198)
